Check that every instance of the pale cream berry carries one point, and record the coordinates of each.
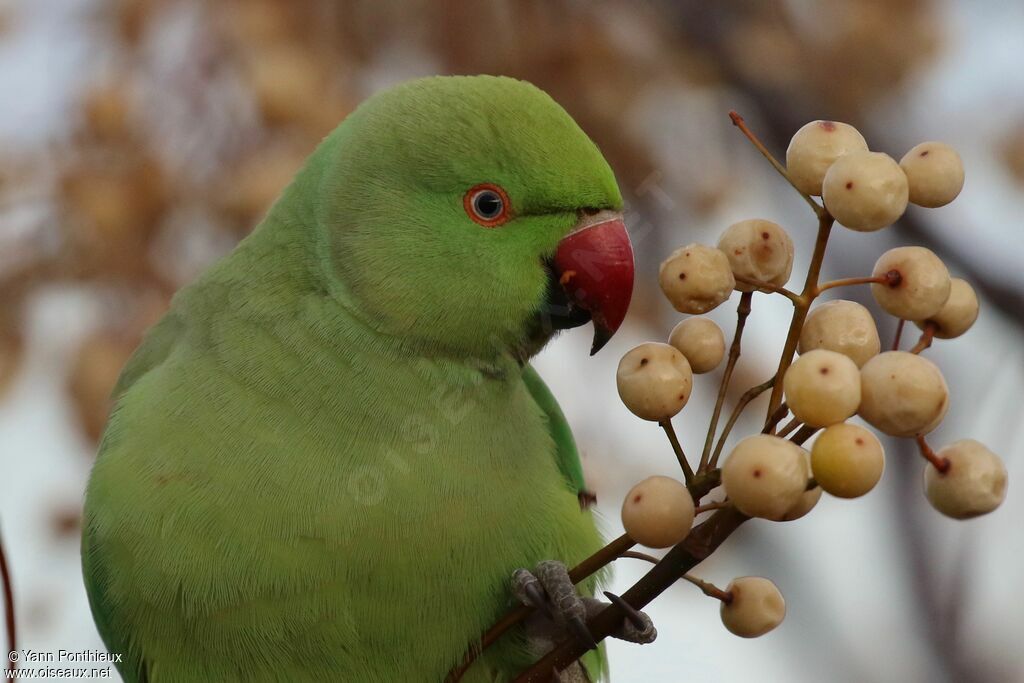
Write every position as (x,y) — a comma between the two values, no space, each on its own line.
(755,608)
(935,174)
(918,283)
(765,476)
(958,314)
(865,191)
(902,394)
(804,505)
(806,502)
(822,388)
(654,381)
(973,485)
(847,460)
(658,512)
(701,341)
(842,326)
(696,278)
(758,249)
(815,147)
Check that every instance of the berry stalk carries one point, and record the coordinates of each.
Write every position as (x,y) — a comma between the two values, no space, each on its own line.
(742,311)
(801,308)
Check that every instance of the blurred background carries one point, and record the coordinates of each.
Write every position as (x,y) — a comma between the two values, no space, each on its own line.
(141,139)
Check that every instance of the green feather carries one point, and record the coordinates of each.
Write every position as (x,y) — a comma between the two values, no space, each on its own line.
(565,445)
(327,460)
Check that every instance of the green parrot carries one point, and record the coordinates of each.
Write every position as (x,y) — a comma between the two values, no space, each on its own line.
(331,460)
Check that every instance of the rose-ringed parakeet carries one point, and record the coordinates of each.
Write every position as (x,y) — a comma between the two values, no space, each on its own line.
(329,459)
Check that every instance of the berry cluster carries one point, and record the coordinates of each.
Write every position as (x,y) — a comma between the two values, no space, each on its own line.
(840,372)
(832,368)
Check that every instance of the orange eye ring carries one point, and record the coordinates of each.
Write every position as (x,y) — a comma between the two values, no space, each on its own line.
(487,204)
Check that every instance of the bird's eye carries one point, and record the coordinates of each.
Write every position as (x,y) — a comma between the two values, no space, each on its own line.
(487,204)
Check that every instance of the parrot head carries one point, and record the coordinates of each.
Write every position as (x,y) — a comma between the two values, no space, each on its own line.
(470,216)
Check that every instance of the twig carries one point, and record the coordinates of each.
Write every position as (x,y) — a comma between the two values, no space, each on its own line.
(796,325)
(803,434)
(926,338)
(12,639)
(678,450)
(709,589)
(789,427)
(708,507)
(845,282)
(767,287)
(775,418)
(899,334)
(742,311)
(738,121)
(748,396)
(701,542)
(584,569)
(640,556)
(941,464)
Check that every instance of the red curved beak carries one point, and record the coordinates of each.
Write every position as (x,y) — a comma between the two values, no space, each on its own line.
(595,267)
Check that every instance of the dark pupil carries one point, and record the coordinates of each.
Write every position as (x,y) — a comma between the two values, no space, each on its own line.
(488,204)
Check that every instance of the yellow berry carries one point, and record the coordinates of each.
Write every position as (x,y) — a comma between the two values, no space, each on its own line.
(701,341)
(758,249)
(935,174)
(918,283)
(696,278)
(902,394)
(822,388)
(958,314)
(974,484)
(847,460)
(815,147)
(842,326)
(755,607)
(658,512)
(865,191)
(654,381)
(765,476)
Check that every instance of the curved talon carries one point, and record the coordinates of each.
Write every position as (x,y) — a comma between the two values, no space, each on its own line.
(538,599)
(580,630)
(632,614)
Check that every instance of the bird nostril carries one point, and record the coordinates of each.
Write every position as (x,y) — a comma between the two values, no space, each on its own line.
(590,211)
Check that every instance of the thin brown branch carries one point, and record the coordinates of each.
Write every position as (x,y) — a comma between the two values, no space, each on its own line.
(9,621)
(768,287)
(632,554)
(789,427)
(796,325)
(708,507)
(584,569)
(678,450)
(803,434)
(926,338)
(701,542)
(941,464)
(738,121)
(848,281)
(774,419)
(742,311)
(748,396)
(709,589)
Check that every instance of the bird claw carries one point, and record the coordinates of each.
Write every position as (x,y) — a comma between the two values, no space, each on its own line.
(638,627)
(549,589)
(579,629)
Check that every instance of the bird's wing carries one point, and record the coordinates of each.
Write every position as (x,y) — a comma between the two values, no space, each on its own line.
(132,668)
(565,446)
